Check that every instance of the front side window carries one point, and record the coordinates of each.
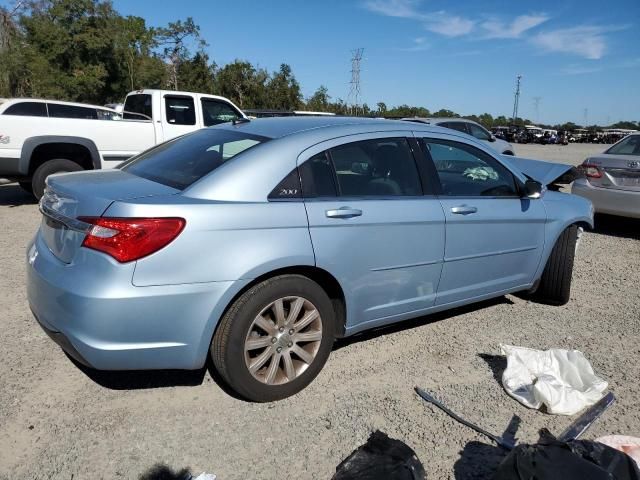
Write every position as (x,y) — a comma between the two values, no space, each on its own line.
(466,171)
(71,111)
(181,162)
(180,110)
(478,132)
(216,111)
(27,109)
(369,168)
(628,146)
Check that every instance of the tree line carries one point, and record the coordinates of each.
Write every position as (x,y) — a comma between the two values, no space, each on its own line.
(85,51)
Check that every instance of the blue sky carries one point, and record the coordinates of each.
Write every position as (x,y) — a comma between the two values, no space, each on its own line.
(463,55)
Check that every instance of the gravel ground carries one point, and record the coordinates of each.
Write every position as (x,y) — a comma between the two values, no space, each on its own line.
(60,421)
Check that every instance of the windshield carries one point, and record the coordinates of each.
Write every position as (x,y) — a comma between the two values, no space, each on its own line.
(627,146)
(185,160)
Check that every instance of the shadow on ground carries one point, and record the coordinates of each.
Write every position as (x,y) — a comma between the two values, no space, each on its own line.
(480,460)
(418,322)
(497,364)
(12,195)
(149,379)
(617,226)
(163,472)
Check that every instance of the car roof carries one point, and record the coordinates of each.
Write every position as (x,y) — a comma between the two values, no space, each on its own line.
(437,120)
(13,101)
(278,127)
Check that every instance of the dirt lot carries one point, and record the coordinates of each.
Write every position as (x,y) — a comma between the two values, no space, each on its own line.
(58,421)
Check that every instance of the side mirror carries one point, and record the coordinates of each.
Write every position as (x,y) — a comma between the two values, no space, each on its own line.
(532,189)
(492,138)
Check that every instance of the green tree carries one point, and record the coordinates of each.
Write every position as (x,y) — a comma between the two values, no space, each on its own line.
(173,38)
(283,90)
(242,83)
(196,74)
(320,100)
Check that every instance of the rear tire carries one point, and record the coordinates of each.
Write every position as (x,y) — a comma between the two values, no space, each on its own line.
(555,283)
(230,350)
(56,165)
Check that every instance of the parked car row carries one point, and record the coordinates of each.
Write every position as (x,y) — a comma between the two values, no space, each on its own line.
(612,179)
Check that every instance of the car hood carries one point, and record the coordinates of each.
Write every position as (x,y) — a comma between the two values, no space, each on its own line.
(546,173)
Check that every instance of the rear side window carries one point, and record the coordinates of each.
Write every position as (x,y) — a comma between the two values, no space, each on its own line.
(215,112)
(137,107)
(370,168)
(628,146)
(466,171)
(459,126)
(185,160)
(478,132)
(180,110)
(28,109)
(71,111)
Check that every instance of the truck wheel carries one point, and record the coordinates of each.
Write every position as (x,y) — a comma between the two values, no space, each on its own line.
(26,186)
(555,283)
(274,339)
(57,165)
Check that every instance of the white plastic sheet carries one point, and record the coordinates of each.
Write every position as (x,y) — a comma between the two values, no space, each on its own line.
(562,380)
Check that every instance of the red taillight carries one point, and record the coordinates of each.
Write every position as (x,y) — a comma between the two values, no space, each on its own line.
(128,239)
(590,170)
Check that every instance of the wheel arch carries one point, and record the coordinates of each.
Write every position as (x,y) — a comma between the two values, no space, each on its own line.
(37,150)
(322,277)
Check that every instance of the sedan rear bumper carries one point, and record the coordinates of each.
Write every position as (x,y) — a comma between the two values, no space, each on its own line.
(109,324)
(624,203)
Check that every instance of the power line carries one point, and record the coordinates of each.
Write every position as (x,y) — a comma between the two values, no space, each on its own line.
(516,99)
(354,94)
(536,106)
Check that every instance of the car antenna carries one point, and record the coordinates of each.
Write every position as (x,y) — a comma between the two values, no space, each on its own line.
(236,121)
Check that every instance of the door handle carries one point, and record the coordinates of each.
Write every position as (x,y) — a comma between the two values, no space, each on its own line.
(343,212)
(463,210)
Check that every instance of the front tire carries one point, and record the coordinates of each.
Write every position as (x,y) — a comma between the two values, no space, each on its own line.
(275,338)
(57,165)
(555,283)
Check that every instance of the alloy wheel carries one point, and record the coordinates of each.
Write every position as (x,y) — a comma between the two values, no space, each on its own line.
(283,340)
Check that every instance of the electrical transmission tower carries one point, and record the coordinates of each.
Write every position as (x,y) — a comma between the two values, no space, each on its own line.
(354,94)
(536,106)
(516,99)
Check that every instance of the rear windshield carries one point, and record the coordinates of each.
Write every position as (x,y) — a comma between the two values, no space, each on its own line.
(628,146)
(185,160)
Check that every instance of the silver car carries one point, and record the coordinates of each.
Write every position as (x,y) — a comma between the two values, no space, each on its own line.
(260,242)
(470,128)
(612,179)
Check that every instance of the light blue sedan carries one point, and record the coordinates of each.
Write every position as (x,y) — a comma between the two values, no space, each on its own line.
(260,242)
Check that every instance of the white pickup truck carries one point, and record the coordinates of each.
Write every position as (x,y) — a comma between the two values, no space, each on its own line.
(41,137)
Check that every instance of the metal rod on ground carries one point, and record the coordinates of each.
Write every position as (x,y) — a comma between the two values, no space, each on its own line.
(499,440)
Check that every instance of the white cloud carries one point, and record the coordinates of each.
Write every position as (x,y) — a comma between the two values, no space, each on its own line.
(448,25)
(496,28)
(440,22)
(585,41)
(581,69)
(419,44)
(394,8)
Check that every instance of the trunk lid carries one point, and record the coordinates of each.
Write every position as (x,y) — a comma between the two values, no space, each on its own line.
(86,194)
(619,172)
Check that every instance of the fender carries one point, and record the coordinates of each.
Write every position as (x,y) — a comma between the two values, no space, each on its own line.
(31,143)
(563,210)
